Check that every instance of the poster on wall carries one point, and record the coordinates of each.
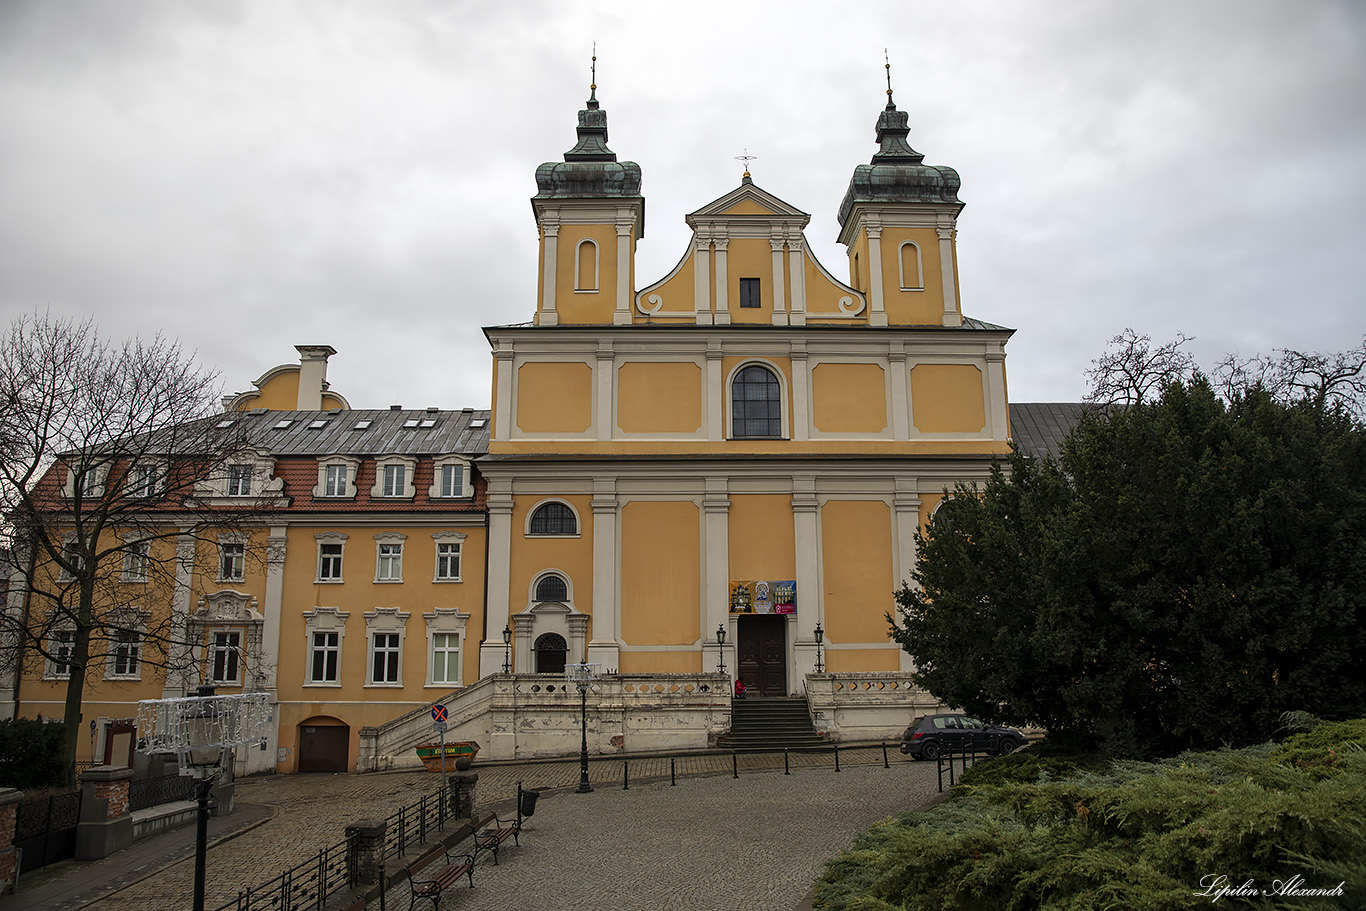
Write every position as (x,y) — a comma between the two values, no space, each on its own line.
(763,596)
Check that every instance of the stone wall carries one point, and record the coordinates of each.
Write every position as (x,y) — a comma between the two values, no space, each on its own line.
(866,705)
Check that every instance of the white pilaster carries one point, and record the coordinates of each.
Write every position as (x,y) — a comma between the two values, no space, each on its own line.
(183,674)
(621,316)
(549,274)
(273,604)
(796,264)
(801,385)
(810,600)
(702,279)
(716,403)
(906,513)
(605,372)
(998,415)
(779,293)
(722,288)
(901,412)
(499,564)
(877,305)
(605,647)
(503,418)
(951,315)
(715,605)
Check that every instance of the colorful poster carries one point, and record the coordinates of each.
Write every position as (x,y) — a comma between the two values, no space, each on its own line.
(763,596)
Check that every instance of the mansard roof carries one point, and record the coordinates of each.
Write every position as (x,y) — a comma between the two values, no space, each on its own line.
(362,433)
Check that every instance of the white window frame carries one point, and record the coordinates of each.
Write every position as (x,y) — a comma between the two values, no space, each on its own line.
(325,491)
(389,567)
(334,539)
(438,490)
(137,559)
(446,621)
(238,474)
(60,641)
(68,548)
(783,401)
(213,490)
(134,623)
(579,286)
(325,621)
(144,480)
(236,657)
(384,621)
(530,513)
(901,266)
(224,542)
(449,539)
(408,489)
(93,478)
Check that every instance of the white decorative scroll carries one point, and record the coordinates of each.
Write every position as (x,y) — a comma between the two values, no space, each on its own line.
(850,307)
(653,299)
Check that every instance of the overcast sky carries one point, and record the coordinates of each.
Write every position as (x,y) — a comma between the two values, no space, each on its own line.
(248,176)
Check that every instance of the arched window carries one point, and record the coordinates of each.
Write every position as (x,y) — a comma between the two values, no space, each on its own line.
(586,267)
(952,516)
(550,653)
(553,519)
(756,405)
(911,279)
(552,588)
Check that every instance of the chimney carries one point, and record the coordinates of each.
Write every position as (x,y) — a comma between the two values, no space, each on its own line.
(313,375)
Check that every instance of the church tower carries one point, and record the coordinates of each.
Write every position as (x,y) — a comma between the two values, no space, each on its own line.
(899,222)
(590,214)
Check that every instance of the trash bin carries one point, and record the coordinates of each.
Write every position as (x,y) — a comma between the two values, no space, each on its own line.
(527,805)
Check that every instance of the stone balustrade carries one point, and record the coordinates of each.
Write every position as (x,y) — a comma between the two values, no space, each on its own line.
(870,705)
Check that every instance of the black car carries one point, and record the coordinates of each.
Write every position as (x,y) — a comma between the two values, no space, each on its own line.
(930,735)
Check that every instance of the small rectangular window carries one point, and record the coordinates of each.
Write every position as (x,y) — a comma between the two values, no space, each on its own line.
(334,481)
(223,425)
(142,481)
(362,425)
(326,656)
(60,647)
(127,653)
(445,658)
(317,425)
(427,422)
(395,477)
(239,480)
(225,657)
(452,480)
(232,562)
(749,293)
(329,562)
(135,560)
(384,658)
(411,423)
(448,560)
(282,425)
(390,567)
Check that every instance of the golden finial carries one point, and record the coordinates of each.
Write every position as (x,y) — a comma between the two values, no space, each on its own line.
(888,58)
(746,158)
(593,82)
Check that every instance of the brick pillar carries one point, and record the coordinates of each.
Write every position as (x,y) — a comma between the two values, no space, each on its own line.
(106,823)
(9,857)
(367,849)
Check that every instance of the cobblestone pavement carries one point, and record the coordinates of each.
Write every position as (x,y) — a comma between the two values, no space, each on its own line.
(312,811)
(709,844)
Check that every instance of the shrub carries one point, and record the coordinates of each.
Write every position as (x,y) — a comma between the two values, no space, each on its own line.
(31,754)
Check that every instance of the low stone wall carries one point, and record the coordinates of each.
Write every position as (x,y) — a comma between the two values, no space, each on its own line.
(526,716)
(866,706)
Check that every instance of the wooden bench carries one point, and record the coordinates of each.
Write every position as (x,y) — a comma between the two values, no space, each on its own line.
(490,833)
(430,886)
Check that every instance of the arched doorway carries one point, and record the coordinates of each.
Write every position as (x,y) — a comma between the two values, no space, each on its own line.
(324,745)
(551,650)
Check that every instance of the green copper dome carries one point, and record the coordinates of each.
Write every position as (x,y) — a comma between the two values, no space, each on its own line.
(590,169)
(898,173)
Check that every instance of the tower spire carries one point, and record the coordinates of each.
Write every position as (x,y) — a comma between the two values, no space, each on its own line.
(593,79)
(891,105)
(893,127)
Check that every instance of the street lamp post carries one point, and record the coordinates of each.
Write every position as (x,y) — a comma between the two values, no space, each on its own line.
(583,675)
(507,649)
(820,637)
(203,759)
(721,648)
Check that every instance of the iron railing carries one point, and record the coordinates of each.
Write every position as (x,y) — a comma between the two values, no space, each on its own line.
(149,792)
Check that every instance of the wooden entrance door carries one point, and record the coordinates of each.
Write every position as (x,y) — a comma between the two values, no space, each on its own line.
(762,654)
(324,748)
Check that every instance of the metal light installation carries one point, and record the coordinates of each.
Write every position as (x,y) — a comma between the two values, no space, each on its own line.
(820,637)
(721,649)
(582,675)
(507,649)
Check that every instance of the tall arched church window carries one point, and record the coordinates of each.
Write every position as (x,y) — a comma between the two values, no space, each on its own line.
(912,278)
(586,267)
(550,653)
(552,588)
(756,405)
(554,519)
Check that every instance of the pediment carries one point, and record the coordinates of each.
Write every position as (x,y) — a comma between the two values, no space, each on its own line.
(747,201)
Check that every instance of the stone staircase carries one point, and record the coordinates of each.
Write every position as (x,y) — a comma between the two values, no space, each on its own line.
(770,724)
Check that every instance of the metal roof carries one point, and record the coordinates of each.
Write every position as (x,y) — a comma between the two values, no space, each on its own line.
(1038,428)
(363,433)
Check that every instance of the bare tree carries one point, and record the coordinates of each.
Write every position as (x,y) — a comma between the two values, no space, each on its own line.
(1132,371)
(1323,380)
(111,461)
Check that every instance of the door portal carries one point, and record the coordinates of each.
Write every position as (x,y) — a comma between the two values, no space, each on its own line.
(324,748)
(762,654)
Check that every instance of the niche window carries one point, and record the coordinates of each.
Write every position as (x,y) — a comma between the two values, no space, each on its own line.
(586,266)
(911,272)
(552,588)
(749,294)
(756,405)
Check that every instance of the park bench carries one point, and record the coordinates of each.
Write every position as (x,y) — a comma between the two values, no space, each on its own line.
(491,832)
(430,887)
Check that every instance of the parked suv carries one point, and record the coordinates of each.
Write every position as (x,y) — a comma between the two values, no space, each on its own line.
(930,735)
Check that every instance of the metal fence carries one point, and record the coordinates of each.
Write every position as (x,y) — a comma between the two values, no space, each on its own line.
(149,792)
(45,829)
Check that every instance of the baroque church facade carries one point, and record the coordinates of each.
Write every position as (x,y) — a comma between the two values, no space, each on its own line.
(723,467)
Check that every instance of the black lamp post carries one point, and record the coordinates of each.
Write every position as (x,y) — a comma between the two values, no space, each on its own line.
(507,649)
(721,648)
(203,756)
(583,675)
(820,637)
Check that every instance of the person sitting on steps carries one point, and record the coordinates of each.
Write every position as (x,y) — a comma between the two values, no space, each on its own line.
(740,688)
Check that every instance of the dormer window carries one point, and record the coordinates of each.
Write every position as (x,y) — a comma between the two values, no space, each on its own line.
(282,425)
(337,477)
(394,478)
(451,479)
(362,425)
(239,480)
